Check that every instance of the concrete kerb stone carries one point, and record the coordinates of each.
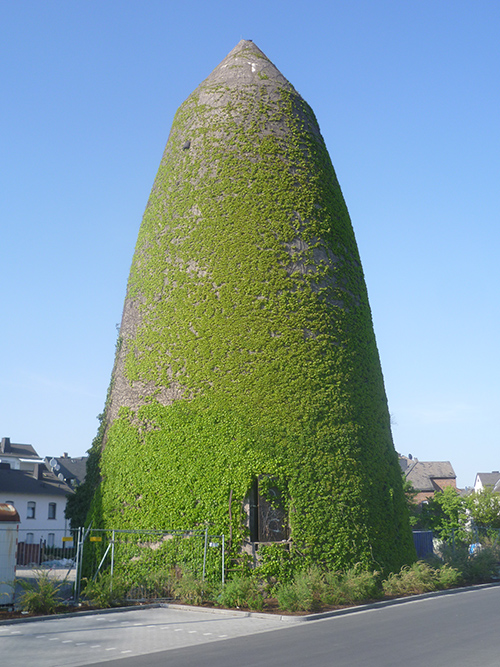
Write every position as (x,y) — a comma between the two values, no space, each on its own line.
(254,614)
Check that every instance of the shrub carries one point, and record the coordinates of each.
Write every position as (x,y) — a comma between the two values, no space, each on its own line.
(42,595)
(481,567)
(447,576)
(106,591)
(355,585)
(305,593)
(155,585)
(411,580)
(192,590)
(241,591)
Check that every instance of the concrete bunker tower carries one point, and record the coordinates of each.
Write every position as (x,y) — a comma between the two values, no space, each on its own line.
(247,390)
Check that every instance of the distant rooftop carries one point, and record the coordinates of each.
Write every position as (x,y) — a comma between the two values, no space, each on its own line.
(488,479)
(422,473)
(41,481)
(18,450)
(68,468)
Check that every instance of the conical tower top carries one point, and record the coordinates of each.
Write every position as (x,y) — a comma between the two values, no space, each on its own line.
(245,65)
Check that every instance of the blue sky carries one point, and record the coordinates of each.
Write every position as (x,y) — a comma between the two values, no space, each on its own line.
(407,96)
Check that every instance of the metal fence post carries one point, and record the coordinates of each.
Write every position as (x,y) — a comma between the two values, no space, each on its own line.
(76,591)
(112,559)
(205,554)
(223,554)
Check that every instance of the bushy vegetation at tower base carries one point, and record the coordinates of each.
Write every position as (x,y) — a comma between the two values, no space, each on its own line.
(307,589)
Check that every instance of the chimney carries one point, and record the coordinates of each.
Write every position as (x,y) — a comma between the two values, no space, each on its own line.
(5,445)
(38,470)
(65,455)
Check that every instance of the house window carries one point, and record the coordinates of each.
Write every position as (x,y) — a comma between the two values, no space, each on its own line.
(52,510)
(51,539)
(29,538)
(31,510)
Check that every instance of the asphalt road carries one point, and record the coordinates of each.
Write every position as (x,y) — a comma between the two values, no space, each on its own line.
(458,628)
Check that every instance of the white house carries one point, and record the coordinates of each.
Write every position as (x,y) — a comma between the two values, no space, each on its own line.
(40,499)
(487,480)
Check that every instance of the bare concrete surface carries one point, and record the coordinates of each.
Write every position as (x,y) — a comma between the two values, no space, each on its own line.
(89,639)
(59,573)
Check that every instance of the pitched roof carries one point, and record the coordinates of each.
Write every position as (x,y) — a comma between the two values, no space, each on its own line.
(23,481)
(69,467)
(8,448)
(488,478)
(421,473)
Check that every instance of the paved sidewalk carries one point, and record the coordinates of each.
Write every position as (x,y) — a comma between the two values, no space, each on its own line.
(87,639)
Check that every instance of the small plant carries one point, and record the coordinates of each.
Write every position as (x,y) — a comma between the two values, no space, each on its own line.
(191,590)
(105,591)
(42,595)
(155,585)
(447,576)
(355,585)
(412,579)
(241,591)
(305,593)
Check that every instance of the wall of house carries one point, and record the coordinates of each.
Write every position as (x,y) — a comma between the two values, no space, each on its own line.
(41,526)
(443,483)
(423,495)
(440,485)
(18,463)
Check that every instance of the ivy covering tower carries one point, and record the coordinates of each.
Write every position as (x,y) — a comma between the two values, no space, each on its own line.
(247,391)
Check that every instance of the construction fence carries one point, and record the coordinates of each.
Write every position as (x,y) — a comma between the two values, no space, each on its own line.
(140,556)
(40,548)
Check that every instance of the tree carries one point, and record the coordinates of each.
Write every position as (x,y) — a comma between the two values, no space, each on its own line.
(413,508)
(446,515)
(484,509)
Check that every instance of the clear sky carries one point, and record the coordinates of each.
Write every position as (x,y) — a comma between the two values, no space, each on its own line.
(407,95)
